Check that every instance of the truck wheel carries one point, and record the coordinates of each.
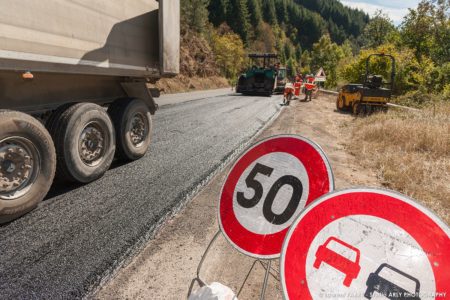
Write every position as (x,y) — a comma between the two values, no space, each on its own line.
(27,164)
(133,124)
(84,140)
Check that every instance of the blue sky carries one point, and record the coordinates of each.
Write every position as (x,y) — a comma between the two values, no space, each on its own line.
(396,9)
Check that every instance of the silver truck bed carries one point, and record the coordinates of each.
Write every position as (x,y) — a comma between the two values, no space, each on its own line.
(131,38)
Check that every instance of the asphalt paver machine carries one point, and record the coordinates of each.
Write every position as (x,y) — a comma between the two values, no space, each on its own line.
(260,78)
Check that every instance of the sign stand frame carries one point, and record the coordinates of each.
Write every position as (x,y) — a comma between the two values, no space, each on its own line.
(267,272)
(286,150)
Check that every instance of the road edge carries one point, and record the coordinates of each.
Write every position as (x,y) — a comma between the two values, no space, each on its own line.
(171,212)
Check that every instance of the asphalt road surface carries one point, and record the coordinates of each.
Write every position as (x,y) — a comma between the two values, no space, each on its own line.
(73,240)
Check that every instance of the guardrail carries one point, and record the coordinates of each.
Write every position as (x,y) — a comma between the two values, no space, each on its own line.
(403,107)
(329,92)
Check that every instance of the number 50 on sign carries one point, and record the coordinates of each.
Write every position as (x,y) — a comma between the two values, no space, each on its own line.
(266,190)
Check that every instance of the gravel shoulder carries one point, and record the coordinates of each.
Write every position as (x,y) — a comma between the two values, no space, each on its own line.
(167,264)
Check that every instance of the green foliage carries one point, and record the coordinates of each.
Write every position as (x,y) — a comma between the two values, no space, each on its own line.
(410,73)
(306,62)
(217,11)
(352,21)
(416,98)
(254,7)
(265,39)
(303,22)
(238,18)
(327,55)
(427,30)
(230,53)
(377,31)
(269,12)
(309,34)
(446,92)
(421,47)
(194,14)
(441,78)
(293,67)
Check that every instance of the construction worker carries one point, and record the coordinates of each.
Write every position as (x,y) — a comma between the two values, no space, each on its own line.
(298,85)
(309,87)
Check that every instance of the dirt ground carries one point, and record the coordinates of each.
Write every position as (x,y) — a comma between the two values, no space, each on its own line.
(165,268)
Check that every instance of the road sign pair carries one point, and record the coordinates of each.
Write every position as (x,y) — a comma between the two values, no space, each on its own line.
(278,199)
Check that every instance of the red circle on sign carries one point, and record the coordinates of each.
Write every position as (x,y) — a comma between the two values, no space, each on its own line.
(321,181)
(429,231)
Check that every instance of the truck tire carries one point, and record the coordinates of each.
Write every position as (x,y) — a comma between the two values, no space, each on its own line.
(133,124)
(84,141)
(27,164)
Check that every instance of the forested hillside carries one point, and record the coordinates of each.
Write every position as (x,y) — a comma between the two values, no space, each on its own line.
(302,21)
(287,27)
(309,34)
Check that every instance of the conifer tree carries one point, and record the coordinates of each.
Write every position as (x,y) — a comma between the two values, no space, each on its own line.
(218,11)
(239,18)
(195,14)
(270,13)
(254,7)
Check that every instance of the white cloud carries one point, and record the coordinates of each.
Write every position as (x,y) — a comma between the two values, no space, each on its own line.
(395,9)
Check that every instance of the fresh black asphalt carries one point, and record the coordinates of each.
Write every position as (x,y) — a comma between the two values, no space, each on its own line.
(65,247)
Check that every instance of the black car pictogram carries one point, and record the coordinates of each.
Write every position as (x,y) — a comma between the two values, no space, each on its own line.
(376,283)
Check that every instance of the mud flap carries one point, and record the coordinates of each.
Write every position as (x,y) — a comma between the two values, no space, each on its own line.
(140,90)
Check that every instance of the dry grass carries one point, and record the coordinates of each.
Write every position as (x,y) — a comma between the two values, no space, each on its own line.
(411,153)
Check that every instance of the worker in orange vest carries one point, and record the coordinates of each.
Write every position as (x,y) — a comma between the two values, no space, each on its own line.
(309,87)
(298,85)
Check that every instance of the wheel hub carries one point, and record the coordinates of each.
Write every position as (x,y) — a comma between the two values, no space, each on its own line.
(17,165)
(138,130)
(91,144)
(8,166)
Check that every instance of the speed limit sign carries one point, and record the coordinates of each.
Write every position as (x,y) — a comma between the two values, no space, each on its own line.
(266,190)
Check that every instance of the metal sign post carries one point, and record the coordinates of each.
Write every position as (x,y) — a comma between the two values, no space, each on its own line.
(362,243)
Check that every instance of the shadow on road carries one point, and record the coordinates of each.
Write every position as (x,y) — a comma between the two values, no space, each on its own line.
(60,188)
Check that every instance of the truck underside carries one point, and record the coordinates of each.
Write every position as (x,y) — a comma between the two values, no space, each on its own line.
(48,91)
(73,89)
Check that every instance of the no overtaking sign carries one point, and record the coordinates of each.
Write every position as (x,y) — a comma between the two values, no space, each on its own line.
(366,243)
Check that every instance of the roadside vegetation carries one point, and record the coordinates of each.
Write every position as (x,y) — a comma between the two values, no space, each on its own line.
(290,28)
(421,47)
(410,151)
(311,34)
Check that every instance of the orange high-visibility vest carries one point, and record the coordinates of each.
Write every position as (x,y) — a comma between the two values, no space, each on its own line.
(298,87)
(309,85)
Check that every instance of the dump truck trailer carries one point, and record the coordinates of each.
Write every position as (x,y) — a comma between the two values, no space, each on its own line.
(73,89)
